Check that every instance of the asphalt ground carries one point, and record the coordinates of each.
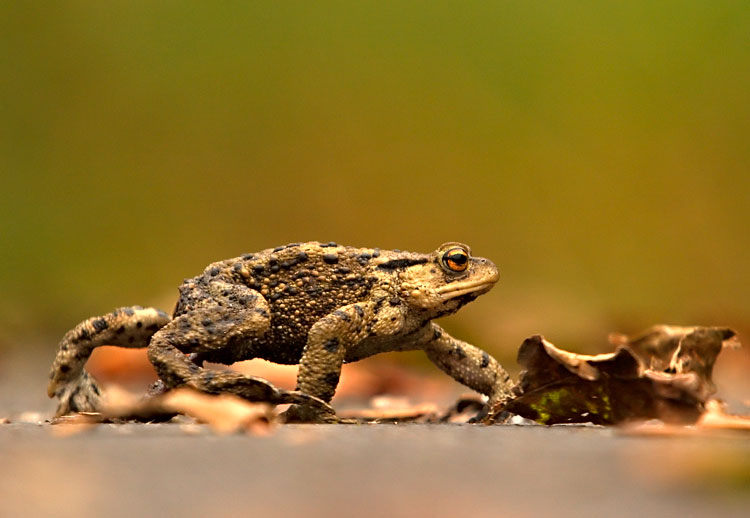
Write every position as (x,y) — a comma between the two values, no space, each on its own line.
(361,470)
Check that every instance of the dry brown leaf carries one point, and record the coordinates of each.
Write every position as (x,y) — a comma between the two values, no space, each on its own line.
(224,413)
(714,421)
(468,408)
(388,408)
(120,365)
(68,425)
(717,418)
(663,373)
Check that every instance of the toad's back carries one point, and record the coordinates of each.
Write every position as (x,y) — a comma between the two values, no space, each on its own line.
(301,283)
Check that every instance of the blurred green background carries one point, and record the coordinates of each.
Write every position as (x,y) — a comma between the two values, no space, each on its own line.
(596,151)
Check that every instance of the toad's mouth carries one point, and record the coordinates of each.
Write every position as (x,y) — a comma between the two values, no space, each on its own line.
(457,289)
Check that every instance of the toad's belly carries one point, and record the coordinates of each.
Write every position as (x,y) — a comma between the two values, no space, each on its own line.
(378,344)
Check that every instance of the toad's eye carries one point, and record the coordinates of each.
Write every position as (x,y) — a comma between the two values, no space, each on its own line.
(456,259)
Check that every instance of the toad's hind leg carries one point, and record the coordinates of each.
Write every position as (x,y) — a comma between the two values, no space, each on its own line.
(220,328)
(75,389)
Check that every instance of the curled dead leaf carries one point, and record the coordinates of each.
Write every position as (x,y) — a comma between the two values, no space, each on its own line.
(716,417)
(224,413)
(663,373)
(391,409)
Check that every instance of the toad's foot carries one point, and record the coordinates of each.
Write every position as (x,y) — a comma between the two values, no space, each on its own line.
(309,414)
(78,395)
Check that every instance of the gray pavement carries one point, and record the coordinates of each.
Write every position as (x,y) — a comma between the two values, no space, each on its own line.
(360,470)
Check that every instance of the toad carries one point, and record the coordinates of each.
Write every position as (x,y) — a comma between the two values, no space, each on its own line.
(313,304)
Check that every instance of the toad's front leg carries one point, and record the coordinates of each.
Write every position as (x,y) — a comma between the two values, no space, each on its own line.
(467,364)
(320,366)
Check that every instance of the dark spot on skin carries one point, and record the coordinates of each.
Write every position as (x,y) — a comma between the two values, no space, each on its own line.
(64,368)
(272,261)
(343,270)
(287,264)
(74,393)
(152,327)
(213,272)
(359,310)
(248,257)
(258,268)
(99,325)
(291,290)
(460,353)
(328,245)
(433,271)
(301,257)
(128,311)
(273,283)
(206,322)
(120,330)
(274,268)
(95,390)
(485,360)
(139,324)
(237,267)
(394,264)
(394,302)
(436,334)
(84,335)
(330,258)
(331,379)
(279,248)
(184,324)
(275,296)
(332,345)
(342,315)
(131,339)
(261,311)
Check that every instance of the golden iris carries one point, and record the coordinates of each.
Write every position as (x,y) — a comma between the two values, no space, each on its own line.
(456,259)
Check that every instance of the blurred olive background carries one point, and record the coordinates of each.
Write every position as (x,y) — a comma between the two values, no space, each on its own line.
(596,151)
